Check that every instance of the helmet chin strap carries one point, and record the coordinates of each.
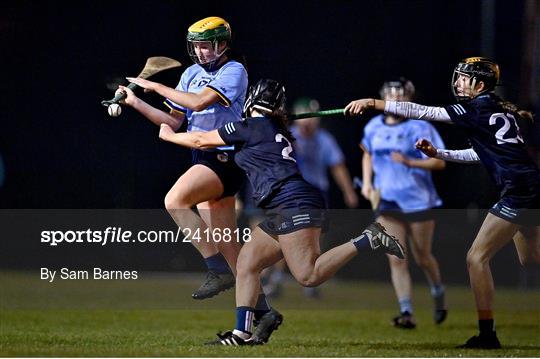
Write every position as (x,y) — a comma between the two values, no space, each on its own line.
(473,92)
(216,50)
(210,65)
(472,85)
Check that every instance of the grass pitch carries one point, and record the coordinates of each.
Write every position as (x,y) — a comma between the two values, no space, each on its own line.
(155,316)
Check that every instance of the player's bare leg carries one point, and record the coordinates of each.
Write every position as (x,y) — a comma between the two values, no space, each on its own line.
(262,251)
(421,244)
(258,253)
(310,268)
(273,279)
(302,254)
(301,250)
(399,274)
(493,235)
(527,242)
(200,184)
(220,214)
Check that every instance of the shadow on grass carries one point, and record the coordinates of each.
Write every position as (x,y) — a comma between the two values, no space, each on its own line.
(474,327)
(431,346)
(427,346)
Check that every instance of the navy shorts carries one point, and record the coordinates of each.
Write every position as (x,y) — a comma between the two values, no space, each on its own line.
(222,163)
(293,206)
(392,209)
(519,209)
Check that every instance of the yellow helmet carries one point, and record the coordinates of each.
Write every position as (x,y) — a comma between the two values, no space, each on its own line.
(212,29)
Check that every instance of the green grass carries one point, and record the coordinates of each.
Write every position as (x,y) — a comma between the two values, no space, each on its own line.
(154,316)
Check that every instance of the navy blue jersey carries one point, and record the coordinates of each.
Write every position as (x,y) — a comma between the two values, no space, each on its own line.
(495,136)
(265,154)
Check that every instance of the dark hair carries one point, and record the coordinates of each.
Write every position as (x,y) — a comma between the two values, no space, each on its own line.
(510,107)
(280,119)
(233,54)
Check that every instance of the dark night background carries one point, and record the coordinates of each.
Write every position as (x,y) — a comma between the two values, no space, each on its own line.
(61,150)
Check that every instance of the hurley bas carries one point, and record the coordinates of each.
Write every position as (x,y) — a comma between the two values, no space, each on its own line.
(96,273)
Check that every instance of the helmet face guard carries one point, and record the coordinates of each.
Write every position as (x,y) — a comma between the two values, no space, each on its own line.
(209,59)
(398,90)
(206,35)
(472,70)
(266,96)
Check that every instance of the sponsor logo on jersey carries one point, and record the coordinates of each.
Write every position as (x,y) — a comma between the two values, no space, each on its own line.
(223,157)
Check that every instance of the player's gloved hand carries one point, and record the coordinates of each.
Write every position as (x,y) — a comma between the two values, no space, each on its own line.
(426,147)
(130,98)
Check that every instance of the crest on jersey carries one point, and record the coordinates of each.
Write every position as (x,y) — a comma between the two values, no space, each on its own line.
(223,157)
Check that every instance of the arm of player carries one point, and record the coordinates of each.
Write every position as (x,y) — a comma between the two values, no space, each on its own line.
(343,180)
(401,109)
(373,195)
(468,155)
(194,101)
(431,164)
(367,174)
(155,115)
(197,140)
(462,156)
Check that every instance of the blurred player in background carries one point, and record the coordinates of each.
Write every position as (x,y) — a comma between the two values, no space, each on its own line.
(402,179)
(210,94)
(295,210)
(317,152)
(492,127)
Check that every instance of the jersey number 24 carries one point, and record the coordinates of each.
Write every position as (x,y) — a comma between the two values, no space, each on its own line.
(509,120)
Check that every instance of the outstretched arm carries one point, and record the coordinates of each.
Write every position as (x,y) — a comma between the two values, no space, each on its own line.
(197,140)
(155,115)
(194,101)
(401,109)
(430,164)
(462,156)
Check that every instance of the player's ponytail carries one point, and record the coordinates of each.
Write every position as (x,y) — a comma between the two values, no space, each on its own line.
(235,55)
(510,107)
(279,117)
(527,115)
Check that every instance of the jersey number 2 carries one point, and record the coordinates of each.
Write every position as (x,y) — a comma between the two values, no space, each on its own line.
(499,135)
(287,150)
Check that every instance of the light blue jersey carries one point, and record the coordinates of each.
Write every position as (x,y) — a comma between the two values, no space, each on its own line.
(411,188)
(314,155)
(229,82)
